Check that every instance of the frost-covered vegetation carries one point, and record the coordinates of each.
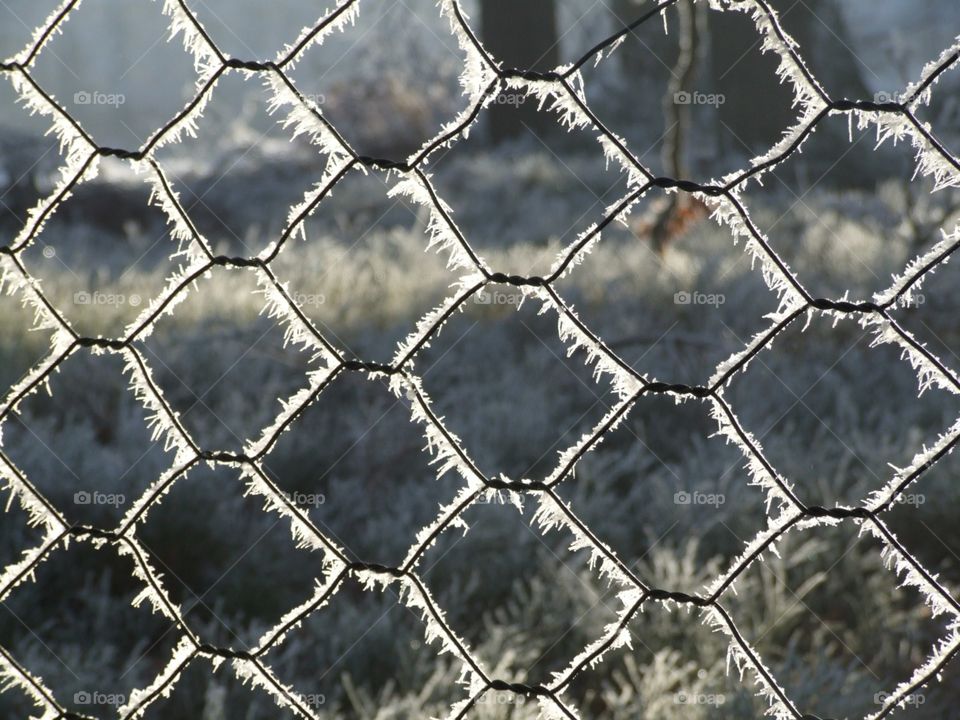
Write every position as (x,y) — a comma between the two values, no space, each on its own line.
(835,414)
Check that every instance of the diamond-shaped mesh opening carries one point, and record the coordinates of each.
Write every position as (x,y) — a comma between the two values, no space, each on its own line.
(105,252)
(114,87)
(666,497)
(207,382)
(245,578)
(814,614)
(370,485)
(85,593)
(86,446)
(363,272)
(239,177)
(845,214)
(844,401)
(203,691)
(676,315)
(497,403)
(525,603)
(363,82)
(564,175)
(30,165)
(373,655)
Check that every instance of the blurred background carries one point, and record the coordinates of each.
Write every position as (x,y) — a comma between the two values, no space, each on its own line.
(669,290)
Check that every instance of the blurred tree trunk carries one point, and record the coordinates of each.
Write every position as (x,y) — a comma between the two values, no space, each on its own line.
(679,208)
(522,35)
(682,84)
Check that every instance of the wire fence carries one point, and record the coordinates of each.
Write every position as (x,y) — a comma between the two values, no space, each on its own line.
(482,80)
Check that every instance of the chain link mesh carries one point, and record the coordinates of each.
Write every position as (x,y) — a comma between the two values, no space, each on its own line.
(482,79)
